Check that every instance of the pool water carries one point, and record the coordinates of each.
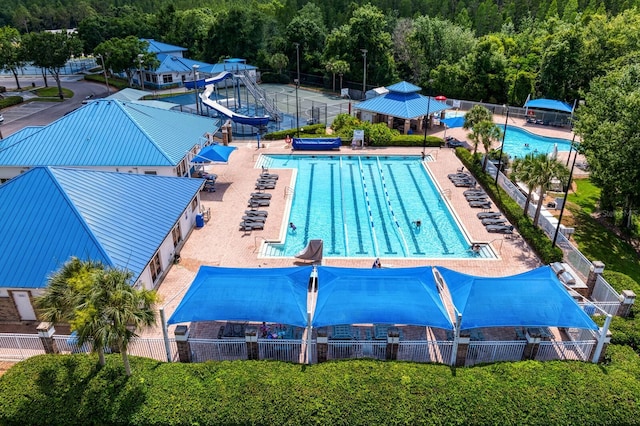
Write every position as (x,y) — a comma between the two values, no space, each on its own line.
(368,207)
(519,142)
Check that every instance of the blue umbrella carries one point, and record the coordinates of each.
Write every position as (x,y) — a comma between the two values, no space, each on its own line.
(453,122)
(214,154)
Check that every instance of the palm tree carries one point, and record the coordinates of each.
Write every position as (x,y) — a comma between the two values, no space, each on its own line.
(522,171)
(476,115)
(487,132)
(546,169)
(100,305)
(116,310)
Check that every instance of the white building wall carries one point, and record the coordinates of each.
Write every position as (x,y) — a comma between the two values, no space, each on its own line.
(11,172)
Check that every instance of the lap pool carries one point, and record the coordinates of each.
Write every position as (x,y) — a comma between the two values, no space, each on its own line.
(367,206)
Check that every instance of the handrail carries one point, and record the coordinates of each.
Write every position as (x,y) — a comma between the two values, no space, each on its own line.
(393,215)
(288,191)
(261,96)
(501,242)
(446,192)
(255,242)
(366,197)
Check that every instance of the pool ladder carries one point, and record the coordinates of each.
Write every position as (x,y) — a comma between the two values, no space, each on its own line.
(288,192)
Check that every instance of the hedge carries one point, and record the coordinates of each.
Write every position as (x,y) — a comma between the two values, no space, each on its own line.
(535,236)
(73,390)
(275,78)
(116,82)
(10,101)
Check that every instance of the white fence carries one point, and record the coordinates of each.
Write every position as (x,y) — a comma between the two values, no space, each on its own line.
(484,352)
(218,349)
(577,351)
(16,347)
(281,350)
(356,349)
(605,296)
(425,351)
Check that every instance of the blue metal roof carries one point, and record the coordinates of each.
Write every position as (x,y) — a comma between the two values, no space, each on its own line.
(109,133)
(549,104)
(402,105)
(52,214)
(227,66)
(171,63)
(159,47)
(404,87)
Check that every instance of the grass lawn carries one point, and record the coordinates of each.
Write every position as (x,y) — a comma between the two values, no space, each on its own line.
(52,92)
(595,241)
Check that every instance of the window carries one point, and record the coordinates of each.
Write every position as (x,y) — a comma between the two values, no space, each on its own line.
(154,78)
(150,172)
(167,78)
(194,204)
(176,234)
(155,267)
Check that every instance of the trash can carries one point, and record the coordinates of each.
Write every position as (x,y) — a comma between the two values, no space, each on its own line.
(199,221)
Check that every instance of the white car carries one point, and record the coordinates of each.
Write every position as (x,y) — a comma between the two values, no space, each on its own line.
(1,118)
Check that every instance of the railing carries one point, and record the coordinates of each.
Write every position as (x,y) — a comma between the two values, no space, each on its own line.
(153,348)
(68,345)
(16,347)
(484,352)
(280,350)
(356,349)
(261,96)
(218,349)
(425,351)
(288,192)
(446,192)
(605,296)
(577,351)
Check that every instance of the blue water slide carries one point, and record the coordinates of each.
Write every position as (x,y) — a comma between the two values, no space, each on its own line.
(208,84)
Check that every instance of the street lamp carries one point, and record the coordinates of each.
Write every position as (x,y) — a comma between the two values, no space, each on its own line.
(297,82)
(364,77)
(566,193)
(426,118)
(506,120)
(195,86)
(140,55)
(104,69)
(570,149)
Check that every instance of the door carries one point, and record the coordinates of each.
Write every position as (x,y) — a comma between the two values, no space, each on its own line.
(23,304)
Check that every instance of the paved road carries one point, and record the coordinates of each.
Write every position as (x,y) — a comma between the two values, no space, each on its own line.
(42,113)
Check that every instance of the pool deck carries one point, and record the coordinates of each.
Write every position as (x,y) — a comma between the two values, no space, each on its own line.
(221,243)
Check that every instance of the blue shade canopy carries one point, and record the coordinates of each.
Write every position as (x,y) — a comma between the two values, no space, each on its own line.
(384,296)
(549,104)
(531,299)
(243,294)
(214,154)
(453,122)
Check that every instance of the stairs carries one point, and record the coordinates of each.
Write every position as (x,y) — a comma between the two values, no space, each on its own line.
(261,96)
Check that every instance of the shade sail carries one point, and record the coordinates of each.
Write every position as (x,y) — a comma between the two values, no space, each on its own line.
(532,299)
(214,154)
(549,104)
(246,294)
(385,296)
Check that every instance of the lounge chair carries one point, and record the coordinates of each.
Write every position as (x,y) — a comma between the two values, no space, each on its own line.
(494,221)
(489,215)
(474,192)
(261,195)
(459,176)
(263,186)
(271,176)
(480,204)
(477,198)
(464,183)
(254,212)
(247,225)
(500,229)
(266,180)
(258,203)
(254,218)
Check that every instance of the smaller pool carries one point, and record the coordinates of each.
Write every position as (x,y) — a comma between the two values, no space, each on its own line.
(519,142)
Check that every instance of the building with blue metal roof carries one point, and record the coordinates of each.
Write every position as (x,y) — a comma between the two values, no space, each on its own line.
(401,108)
(110,135)
(131,221)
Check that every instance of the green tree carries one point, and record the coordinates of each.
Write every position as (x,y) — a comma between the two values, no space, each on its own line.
(308,29)
(488,132)
(607,124)
(561,65)
(472,119)
(121,55)
(522,171)
(278,61)
(100,304)
(11,52)
(52,51)
(545,170)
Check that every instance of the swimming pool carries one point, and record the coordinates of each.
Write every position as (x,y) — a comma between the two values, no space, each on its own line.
(519,142)
(368,207)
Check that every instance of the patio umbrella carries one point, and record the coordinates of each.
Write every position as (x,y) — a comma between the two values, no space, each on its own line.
(214,154)
(441,98)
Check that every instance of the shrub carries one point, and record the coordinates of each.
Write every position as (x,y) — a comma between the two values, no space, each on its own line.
(10,101)
(119,83)
(310,131)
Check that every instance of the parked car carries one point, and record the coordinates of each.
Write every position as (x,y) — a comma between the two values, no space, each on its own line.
(1,118)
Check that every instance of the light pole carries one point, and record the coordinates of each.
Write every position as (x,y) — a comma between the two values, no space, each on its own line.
(506,120)
(427,121)
(570,149)
(140,55)
(364,76)
(297,82)
(104,69)
(564,201)
(195,85)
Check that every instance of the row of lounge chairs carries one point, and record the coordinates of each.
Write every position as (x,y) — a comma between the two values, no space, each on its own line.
(254,218)
(494,222)
(477,198)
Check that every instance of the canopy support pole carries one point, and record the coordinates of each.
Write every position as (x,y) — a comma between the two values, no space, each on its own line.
(456,338)
(309,331)
(601,339)
(165,335)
